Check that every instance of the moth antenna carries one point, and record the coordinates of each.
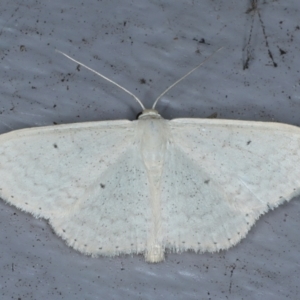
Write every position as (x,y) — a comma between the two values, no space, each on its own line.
(187,74)
(104,77)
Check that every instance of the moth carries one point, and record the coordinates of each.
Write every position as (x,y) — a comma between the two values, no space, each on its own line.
(144,186)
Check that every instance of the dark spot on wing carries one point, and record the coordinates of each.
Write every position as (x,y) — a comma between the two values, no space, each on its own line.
(207,181)
(55,146)
(142,81)
(102,185)
(248,142)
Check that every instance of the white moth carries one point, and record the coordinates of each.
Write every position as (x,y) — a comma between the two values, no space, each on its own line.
(144,186)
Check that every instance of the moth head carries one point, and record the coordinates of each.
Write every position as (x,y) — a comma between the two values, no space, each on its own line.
(149,114)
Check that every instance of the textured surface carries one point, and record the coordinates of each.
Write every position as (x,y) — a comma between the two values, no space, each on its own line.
(157,41)
(122,187)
